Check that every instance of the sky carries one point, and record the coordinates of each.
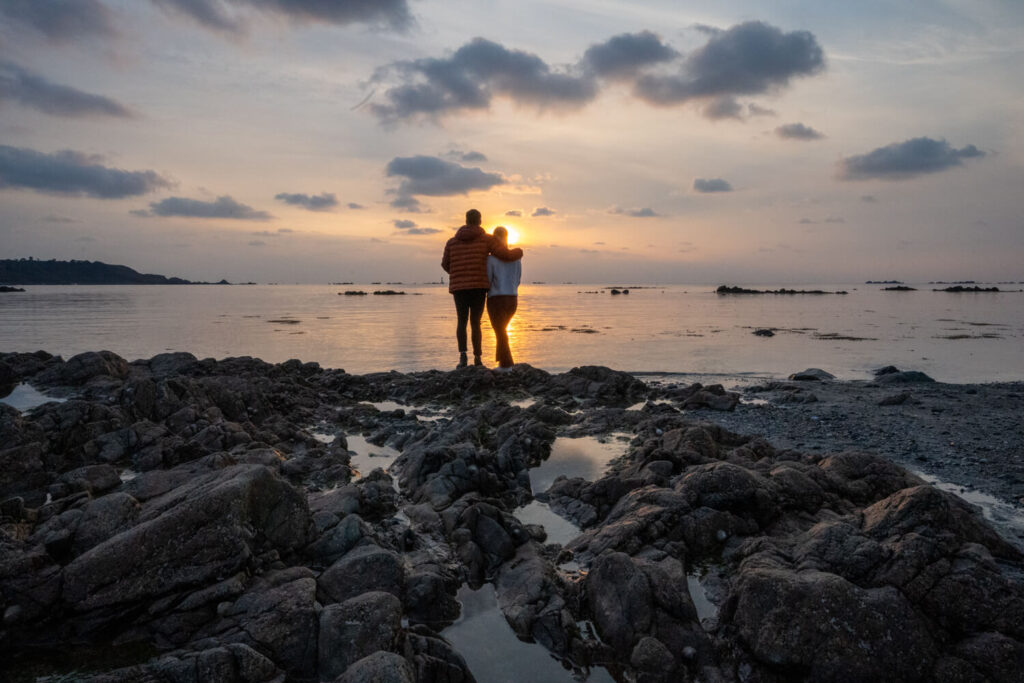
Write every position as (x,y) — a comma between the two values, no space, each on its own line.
(316,141)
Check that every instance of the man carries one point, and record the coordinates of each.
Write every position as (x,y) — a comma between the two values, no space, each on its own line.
(465,261)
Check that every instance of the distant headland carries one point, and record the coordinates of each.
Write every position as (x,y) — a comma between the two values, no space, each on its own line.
(30,271)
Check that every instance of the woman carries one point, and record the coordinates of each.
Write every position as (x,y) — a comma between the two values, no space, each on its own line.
(502,298)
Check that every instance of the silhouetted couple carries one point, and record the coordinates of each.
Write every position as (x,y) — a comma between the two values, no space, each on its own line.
(482,271)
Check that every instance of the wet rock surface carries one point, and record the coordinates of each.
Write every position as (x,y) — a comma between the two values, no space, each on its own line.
(181,519)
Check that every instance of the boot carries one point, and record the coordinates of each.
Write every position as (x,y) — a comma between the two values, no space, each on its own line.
(477,360)
(463,361)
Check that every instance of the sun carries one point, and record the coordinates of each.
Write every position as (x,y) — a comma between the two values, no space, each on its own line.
(513,234)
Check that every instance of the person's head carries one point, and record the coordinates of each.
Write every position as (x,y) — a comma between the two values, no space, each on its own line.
(473,217)
(501,233)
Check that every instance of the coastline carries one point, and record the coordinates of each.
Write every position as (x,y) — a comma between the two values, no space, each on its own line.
(170,502)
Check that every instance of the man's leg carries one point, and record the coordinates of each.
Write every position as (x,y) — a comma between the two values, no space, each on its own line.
(462,316)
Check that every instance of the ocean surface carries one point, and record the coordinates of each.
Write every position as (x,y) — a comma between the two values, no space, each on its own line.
(689,329)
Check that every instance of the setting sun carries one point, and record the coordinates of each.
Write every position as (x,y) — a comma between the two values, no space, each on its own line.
(513,234)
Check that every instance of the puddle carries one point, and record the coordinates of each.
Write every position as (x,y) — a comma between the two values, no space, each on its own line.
(367,457)
(559,529)
(495,654)
(585,457)
(386,406)
(754,401)
(706,610)
(641,404)
(128,475)
(323,437)
(25,397)
(1007,518)
(524,403)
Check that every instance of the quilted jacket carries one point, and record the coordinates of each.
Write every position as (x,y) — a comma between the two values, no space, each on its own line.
(465,257)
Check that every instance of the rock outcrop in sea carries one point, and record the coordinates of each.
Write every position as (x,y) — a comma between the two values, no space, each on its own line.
(177,519)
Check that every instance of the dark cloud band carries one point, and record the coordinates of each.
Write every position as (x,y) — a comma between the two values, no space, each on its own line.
(325,201)
(215,14)
(907,159)
(747,59)
(32,90)
(72,173)
(60,20)
(435,177)
(709,185)
(797,131)
(222,207)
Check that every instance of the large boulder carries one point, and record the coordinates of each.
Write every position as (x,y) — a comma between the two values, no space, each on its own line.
(364,568)
(356,628)
(189,536)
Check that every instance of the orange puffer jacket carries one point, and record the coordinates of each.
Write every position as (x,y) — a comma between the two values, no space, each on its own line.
(465,257)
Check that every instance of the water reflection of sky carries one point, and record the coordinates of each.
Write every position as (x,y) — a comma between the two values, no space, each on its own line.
(585,457)
(676,328)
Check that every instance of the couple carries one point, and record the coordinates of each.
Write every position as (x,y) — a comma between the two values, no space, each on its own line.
(481,268)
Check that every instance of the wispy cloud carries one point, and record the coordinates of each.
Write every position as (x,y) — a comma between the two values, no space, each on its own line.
(645,212)
(60,20)
(907,159)
(708,185)
(514,213)
(542,211)
(798,131)
(356,207)
(216,15)
(324,201)
(73,173)
(32,90)
(222,207)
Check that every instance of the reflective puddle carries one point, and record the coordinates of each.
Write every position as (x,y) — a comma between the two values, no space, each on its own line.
(495,654)
(559,529)
(585,457)
(26,397)
(367,457)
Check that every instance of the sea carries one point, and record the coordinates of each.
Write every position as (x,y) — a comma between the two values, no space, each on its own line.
(686,330)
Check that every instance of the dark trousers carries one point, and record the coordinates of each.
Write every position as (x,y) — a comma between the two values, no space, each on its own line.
(500,310)
(469,306)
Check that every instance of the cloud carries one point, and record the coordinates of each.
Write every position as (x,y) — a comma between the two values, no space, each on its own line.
(725,107)
(257,243)
(797,131)
(754,109)
(72,173)
(213,14)
(706,185)
(60,20)
(626,54)
(422,231)
(356,207)
(471,77)
(285,230)
(542,211)
(320,202)
(835,219)
(468,157)
(907,159)
(645,212)
(514,213)
(404,225)
(32,90)
(435,177)
(748,59)
(222,207)
(409,205)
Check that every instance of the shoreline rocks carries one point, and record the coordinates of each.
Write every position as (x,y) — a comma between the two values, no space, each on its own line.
(192,508)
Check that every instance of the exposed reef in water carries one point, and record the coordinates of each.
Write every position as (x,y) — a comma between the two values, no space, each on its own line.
(178,519)
(727,289)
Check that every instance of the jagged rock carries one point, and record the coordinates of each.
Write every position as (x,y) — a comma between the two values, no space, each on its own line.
(84,367)
(234,663)
(904,377)
(895,399)
(200,530)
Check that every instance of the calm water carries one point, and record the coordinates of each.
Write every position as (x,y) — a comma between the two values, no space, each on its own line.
(685,329)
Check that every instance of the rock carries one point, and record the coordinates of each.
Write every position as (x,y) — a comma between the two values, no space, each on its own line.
(812,375)
(651,655)
(78,370)
(887,370)
(356,628)
(895,399)
(208,527)
(831,629)
(763,332)
(103,518)
(364,568)
(905,377)
(380,667)
(92,478)
(234,663)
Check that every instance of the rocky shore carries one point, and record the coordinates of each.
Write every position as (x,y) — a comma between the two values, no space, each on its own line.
(176,519)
